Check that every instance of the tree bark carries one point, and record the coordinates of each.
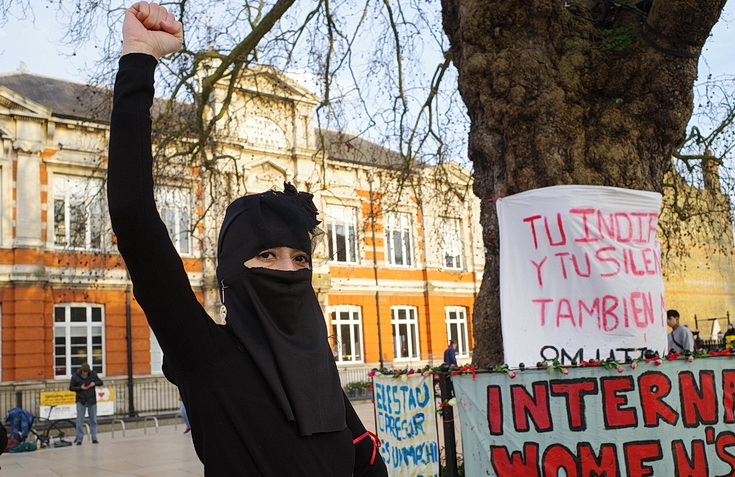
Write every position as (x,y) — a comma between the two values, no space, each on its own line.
(558,92)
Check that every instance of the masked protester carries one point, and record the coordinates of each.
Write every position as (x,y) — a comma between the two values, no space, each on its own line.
(262,392)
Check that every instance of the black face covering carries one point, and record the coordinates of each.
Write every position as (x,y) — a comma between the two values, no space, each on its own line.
(275,314)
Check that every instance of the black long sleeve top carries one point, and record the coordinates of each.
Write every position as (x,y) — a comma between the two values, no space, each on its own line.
(237,427)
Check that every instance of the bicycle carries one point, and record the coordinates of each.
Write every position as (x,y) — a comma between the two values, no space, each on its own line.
(50,429)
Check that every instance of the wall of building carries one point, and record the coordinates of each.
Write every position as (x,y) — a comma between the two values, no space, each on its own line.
(699,261)
(37,274)
(44,159)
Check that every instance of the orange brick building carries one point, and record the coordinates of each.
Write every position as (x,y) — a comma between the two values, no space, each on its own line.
(397,270)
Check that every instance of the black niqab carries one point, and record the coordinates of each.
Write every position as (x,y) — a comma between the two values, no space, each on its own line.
(275,314)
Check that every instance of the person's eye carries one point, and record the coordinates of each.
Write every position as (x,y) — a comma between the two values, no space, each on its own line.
(301,259)
(266,255)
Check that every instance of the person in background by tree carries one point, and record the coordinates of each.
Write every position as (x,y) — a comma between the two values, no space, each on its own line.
(83,382)
(450,354)
(698,341)
(262,392)
(680,338)
(729,336)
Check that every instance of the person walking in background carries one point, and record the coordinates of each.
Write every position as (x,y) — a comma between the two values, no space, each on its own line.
(83,382)
(182,410)
(680,338)
(450,354)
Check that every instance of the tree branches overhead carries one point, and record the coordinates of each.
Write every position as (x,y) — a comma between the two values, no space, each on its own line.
(380,68)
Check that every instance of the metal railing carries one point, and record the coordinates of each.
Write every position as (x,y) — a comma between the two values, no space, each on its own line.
(152,394)
(354,374)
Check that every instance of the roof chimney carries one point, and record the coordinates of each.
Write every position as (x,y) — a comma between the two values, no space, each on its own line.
(711,172)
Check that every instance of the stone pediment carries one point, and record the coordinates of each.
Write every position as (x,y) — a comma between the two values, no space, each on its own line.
(17,104)
(455,172)
(265,175)
(266,80)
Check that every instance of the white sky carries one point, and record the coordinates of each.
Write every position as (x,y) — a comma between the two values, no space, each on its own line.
(38,46)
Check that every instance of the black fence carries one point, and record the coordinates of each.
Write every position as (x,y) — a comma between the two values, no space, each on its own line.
(154,395)
(150,395)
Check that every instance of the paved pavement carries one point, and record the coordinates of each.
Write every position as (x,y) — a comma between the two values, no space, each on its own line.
(168,452)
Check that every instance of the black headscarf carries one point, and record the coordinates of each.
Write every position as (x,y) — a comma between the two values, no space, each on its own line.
(275,314)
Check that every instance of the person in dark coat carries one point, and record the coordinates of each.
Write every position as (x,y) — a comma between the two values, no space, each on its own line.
(450,354)
(84,382)
(262,392)
(729,337)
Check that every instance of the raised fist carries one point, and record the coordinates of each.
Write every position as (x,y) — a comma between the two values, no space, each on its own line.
(150,28)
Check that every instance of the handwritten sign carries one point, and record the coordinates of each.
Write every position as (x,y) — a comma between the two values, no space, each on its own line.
(580,274)
(62,404)
(673,419)
(405,410)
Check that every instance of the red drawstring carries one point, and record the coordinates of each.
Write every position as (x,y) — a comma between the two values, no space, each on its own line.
(376,443)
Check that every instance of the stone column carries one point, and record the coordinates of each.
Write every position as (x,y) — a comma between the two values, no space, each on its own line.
(28,195)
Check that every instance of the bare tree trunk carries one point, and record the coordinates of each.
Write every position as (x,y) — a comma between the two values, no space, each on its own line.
(582,92)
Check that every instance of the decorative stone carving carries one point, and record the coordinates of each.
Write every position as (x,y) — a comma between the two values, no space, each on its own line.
(263,131)
(28,147)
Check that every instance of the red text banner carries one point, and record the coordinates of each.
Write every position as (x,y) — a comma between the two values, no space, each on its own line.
(580,274)
(673,419)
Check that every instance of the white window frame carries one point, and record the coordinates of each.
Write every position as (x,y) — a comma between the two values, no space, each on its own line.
(1,343)
(64,328)
(174,206)
(353,322)
(399,223)
(344,219)
(156,354)
(2,216)
(451,243)
(83,197)
(411,321)
(456,320)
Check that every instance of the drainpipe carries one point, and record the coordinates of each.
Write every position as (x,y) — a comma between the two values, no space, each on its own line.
(129,339)
(375,272)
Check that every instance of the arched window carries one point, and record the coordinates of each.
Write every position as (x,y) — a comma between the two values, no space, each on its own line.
(156,355)
(79,212)
(399,239)
(346,337)
(174,205)
(79,337)
(405,332)
(451,243)
(457,328)
(342,233)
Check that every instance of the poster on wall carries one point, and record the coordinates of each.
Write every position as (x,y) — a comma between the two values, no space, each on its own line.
(673,419)
(580,274)
(62,404)
(405,412)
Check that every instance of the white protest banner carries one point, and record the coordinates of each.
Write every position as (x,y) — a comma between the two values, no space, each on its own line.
(405,411)
(580,274)
(62,404)
(673,419)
